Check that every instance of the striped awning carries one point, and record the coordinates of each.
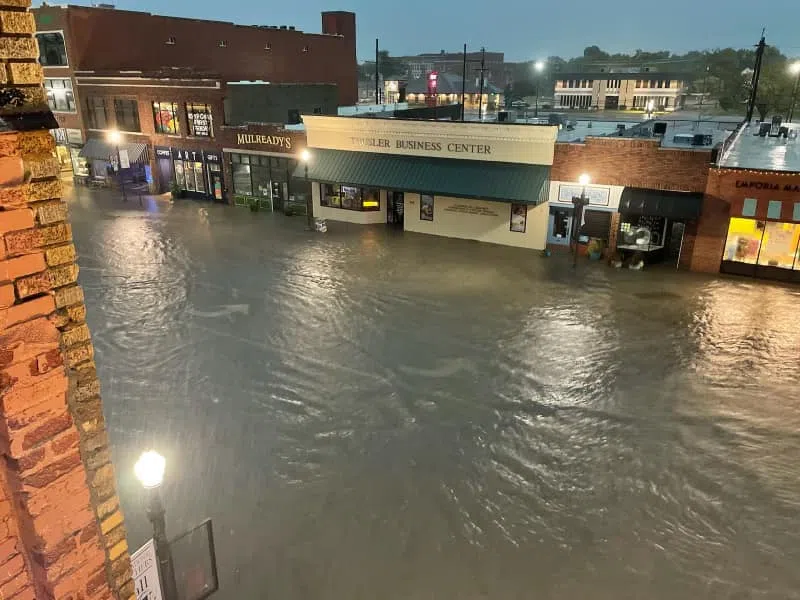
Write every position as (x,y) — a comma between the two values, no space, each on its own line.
(99,149)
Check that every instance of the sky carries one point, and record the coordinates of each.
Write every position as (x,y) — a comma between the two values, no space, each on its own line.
(523,29)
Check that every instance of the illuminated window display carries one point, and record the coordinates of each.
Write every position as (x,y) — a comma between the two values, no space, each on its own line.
(763,243)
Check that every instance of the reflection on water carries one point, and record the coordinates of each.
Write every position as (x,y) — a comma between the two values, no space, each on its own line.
(372,414)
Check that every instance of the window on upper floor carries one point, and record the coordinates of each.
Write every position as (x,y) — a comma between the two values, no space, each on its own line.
(96,113)
(126,112)
(52,50)
(199,119)
(165,118)
(59,95)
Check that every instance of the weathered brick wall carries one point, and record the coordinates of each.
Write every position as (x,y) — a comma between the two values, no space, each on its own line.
(61,531)
(632,162)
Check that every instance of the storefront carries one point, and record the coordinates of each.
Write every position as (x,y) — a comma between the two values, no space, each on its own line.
(195,173)
(259,161)
(103,160)
(598,215)
(68,147)
(763,230)
(653,222)
(486,182)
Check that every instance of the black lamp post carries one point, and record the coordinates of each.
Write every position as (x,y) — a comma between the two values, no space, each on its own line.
(795,69)
(579,203)
(305,156)
(538,67)
(115,137)
(149,470)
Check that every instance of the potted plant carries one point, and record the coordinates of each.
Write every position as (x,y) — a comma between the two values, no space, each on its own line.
(175,190)
(254,206)
(595,249)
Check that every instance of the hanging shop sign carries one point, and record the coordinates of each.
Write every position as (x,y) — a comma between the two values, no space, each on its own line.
(146,579)
(162,152)
(597,196)
(213,157)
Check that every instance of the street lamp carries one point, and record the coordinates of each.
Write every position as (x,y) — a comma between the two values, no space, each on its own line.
(115,137)
(650,107)
(149,470)
(579,202)
(538,68)
(794,69)
(305,157)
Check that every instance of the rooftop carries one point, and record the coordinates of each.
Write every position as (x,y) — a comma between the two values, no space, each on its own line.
(608,75)
(750,151)
(450,83)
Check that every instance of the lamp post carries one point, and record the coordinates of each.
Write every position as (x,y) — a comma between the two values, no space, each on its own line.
(650,107)
(794,69)
(115,137)
(305,156)
(538,68)
(579,202)
(149,470)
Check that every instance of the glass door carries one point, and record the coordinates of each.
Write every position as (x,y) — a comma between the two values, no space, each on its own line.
(560,226)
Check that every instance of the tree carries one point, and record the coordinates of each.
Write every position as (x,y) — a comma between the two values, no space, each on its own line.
(774,89)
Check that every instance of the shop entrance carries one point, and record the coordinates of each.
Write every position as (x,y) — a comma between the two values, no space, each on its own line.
(395,209)
(560,226)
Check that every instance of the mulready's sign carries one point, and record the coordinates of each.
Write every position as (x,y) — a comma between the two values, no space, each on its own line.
(276,141)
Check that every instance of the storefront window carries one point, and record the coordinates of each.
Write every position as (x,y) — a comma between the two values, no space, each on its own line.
(180,179)
(241,179)
(519,217)
(643,233)
(744,240)
(199,118)
(260,176)
(779,245)
(350,197)
(426,207)
(80,165)
(165,117)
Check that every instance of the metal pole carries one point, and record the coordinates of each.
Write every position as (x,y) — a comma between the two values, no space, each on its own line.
(309,202)
(156,516)
(480,95)
(794,96)
(119,174)
(536,107)
(377,75)
(756,76)
(463,83)
(576,225)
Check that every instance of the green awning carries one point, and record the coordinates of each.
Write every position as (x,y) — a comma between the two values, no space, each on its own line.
(459,178)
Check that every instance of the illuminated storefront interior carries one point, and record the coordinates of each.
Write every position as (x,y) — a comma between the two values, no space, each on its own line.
(769,249)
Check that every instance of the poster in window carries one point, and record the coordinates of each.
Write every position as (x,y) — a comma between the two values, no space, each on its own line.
(350,197)
(199,117)
(426,207)
(519,217)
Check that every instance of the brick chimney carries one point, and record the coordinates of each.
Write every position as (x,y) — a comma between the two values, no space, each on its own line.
(62,534)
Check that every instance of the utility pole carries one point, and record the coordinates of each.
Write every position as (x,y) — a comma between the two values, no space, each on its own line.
(795,68)
(377,74)
(463,83)
(762,45)
(703,95)
(480,93)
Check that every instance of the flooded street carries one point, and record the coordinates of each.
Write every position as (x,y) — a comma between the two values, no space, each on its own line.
(372,414)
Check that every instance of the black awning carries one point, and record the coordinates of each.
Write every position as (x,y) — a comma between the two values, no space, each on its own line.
(660,203)
(100,149)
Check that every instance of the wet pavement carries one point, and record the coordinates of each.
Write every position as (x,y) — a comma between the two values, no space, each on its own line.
(374,414)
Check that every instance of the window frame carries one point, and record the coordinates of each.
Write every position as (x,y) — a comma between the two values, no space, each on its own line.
(511,226)
(189,107)
(91,107)
(331,196)
(175,110)
(120,103)
(68,95)
(59,32)
(422,205)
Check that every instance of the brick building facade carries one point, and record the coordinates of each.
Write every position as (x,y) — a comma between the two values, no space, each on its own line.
(662,183)
(62,534)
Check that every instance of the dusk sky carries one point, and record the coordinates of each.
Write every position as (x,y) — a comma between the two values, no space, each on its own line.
(521,29)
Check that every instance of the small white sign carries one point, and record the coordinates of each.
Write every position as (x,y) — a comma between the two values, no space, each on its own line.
(597,196)
(124,159)
(144,562)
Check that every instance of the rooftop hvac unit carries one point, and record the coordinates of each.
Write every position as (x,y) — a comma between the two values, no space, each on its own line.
(659,128)
(701,139)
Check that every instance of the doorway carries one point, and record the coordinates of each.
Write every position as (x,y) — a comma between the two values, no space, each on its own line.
(560,226)
(394,214)
(165,176)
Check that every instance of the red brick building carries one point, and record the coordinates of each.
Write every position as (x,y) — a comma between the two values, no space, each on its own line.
(167,98)
(639,191)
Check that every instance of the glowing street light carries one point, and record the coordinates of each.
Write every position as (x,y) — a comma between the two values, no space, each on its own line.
(794,69)
(149,470)
(584,179)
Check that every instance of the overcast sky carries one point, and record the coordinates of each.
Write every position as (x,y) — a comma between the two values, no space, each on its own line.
(522,29)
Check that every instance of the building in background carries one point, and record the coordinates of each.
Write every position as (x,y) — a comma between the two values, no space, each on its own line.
(265,102)
(446,88)
(167,97)
(419,66)
(647,91)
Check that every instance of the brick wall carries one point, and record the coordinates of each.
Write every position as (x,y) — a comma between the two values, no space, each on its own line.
(632,162)
(61,532)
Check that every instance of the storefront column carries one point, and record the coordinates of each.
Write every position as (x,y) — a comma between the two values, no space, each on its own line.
(613,233)
(712,231)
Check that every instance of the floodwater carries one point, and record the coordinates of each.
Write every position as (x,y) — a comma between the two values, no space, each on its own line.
(371,414)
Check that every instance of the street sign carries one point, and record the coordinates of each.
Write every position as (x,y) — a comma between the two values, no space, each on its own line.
(195,560)
(124,159)
(144,562)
